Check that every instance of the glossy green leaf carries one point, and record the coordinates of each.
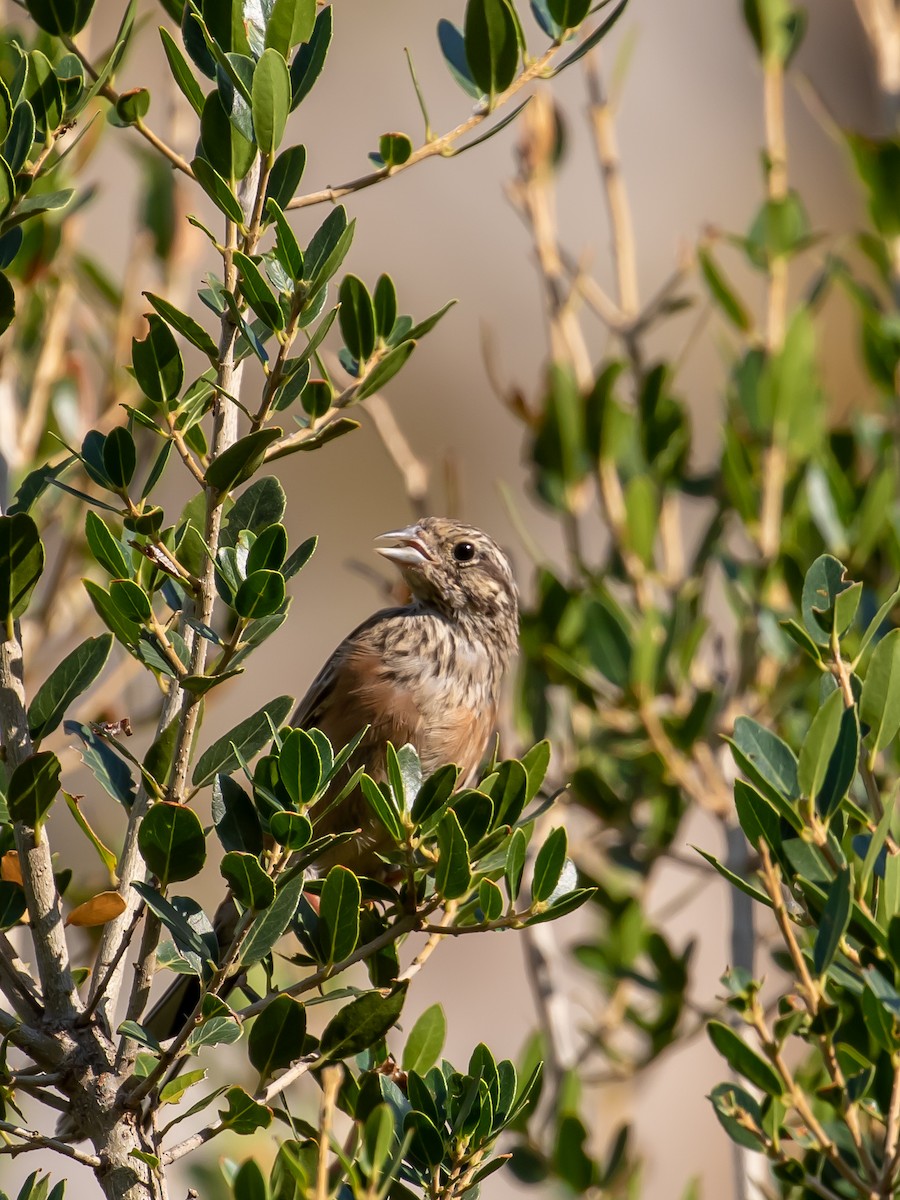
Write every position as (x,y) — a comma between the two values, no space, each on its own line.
(7,302)
(243,1114)
(361,1023)
(158,366)
(300,767)
(241,460)
(259,506)
(171,842)
(290,23)
(190,329)
(106,549)
(257,292)
(291,830)
(768,755)
(21,564)
(217,190)
(70,679)
(271,100)
(277,1036)
(384,370)
(43,93)
(285,176)
(453,48)
(132,106)
(124,627)
(548,865)
(33,786)
(592,40)
(745,1061)
(452,877)
(568,14)
(357,317)
(181,72)
(261,594)
(339,914)
(61,18)
(394,149)
(382,805)
(251,886)
(425,1041)
(247,738)
(310,58)
(833,922)
(119,457)
(12,903)
(273,921)
(880,699)
(515,863)
(739,1115)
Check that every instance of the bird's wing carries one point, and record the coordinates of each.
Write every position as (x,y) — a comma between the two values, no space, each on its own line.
(330,691)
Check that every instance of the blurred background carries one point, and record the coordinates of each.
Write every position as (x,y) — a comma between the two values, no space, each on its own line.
(688,102)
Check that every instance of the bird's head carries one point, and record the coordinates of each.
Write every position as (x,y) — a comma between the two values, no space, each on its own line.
(455,568)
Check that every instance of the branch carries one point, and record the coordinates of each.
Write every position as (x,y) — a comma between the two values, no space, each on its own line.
(38,1141)
(44,905)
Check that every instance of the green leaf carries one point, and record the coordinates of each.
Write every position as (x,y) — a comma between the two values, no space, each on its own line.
(382,804)
(361,1023)
(300,767)
(241,460)
(260,505)
(60,18)
(722,291)
(339,914)
(12,903)
(171,842)
(768,755)
(394,150)
(217,190)
(131,600)
(261,594)
(824,581)
(490,900)
(243,1115)
(132,106)
(452,877)
(269,550)
(273,921)
(453,48)
(119,457)
(74,675)
(126,630)
(833,922)
(271,100)
(246,739)
(7,301)
(880,700)
(181,72)
(43,93)
(425,1041)
(106,549)
(492,46)
(190,329)
(434,794)
(744,1060)
(259,295)
(563,906)
(357,317)
(286,246)
(548,865)
(385,302)
(251,886)
(285,176)
(735,880)
(739,1115)
(21,564)
(568,14)
(592,40)
(819,744)
(515,863)
(33,786)
(290,23)
(310,59)
(842,765)
(291,830)
(172,1092)
(384,370)
(157,362)
(277,1036)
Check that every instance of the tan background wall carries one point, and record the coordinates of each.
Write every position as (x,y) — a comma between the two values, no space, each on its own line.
(690,128)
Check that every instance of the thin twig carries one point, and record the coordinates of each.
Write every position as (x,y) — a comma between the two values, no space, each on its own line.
(39,1141)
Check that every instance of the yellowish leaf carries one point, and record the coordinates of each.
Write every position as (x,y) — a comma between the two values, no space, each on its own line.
(10,867)
(98,910)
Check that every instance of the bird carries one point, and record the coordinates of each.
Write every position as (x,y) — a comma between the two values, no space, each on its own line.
(428,673)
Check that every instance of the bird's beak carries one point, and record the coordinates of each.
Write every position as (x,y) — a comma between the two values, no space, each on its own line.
(404,547)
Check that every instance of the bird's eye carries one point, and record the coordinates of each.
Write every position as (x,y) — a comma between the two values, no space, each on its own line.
(463,551)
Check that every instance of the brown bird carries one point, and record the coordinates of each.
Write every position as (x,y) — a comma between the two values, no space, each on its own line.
(427,673)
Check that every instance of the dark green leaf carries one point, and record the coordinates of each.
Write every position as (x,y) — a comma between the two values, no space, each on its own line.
(824,580)
(21,564)
(453,48)
(33,786)
(259,295)
(291,830)
(745,1060)
(382,805)
(171,842)
(271,924)
(548,865)
(61,18)
(247,738)
(310,59)
(452,877)
(339,914)
(276,1038)
(43,93)
(515,863)
(181,72)
(260,505)
(243,1115)
(271,100)
(300,767)
(357,317)
(236,464)
(106,549)
(190,329)
(157,362)
(235,816)
(361,1023)
(592,40)
(880,699)
(833,922)
(74,675)
(252,887)
(769,756)
(119,457)
(113,775)
(425,1041)
(218,190)
(126,630)
(285,176)
(12,903)
(261,594)
(384,370)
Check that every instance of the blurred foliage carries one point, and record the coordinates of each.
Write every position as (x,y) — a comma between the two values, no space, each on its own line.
(181,594)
